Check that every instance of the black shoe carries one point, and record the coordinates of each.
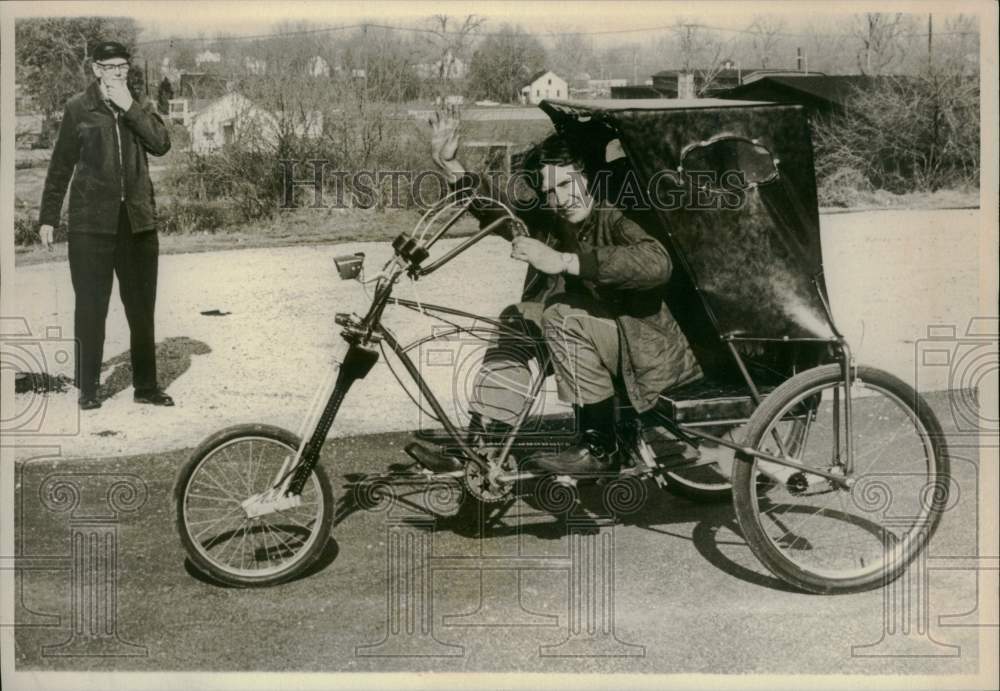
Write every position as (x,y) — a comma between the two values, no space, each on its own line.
(590,457)
(89,402)
(154,397)
(434,461)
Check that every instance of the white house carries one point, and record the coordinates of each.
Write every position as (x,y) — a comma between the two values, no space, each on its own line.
(448,68)
(254,66)
(207,56)
(225,119)
(542,85)
(234,117)
(317,67)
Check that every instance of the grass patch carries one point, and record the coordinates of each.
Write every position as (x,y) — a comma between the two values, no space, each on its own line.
(288,228)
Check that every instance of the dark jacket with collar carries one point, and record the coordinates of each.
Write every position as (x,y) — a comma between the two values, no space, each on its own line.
(104,150)
(625,269)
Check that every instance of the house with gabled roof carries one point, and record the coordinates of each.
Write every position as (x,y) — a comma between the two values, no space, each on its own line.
(542,85)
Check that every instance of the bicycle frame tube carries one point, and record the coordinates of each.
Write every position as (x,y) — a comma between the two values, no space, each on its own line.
(425,391)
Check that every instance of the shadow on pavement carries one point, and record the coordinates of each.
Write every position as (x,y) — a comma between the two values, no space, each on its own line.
(173,358)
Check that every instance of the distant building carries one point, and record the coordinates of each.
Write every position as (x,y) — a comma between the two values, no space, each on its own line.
(542,85)
(450,100)
(450,67)
(318,67)
(707,83)
(234,117)
(819,93)
(601,88)
(201,85)
(179,110)
(207,57)
(254,66)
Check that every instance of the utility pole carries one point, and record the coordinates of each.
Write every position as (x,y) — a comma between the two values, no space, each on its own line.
(364,43)
(930,45)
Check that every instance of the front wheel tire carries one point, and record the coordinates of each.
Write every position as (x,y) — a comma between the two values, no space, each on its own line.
(220,539)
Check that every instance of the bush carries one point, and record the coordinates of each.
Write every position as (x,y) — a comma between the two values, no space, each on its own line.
(25,231)
(349,133)
(903,135)
(193,216)
(26,226)
(846,186)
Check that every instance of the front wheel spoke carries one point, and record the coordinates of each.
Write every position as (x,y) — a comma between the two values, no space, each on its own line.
(233,545)
(295,536)
(228,516)
(243,542)
(211,477)
(212,497)
(289,516)
(278,544)
(235,470)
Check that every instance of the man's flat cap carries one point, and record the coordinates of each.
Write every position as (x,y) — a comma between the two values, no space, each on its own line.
(110,49)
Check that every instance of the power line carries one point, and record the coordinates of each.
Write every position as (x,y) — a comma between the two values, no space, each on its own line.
(605,32)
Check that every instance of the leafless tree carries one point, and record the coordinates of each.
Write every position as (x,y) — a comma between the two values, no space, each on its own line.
(571,54)
(765,36)
(881,36)
(450,41)
(698,50)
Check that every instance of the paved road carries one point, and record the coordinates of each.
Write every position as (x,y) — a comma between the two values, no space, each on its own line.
(687,595)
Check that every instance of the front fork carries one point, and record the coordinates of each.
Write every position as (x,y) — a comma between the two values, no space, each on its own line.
(357,363)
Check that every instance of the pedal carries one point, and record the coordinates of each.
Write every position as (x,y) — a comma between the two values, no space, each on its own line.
(432,460)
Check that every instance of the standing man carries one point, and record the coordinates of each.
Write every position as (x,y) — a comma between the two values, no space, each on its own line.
(102,145)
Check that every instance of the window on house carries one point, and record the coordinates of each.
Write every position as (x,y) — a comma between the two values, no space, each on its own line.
(557,93)
(538,93)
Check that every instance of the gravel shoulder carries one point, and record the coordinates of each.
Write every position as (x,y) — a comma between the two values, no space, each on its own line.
(891,275)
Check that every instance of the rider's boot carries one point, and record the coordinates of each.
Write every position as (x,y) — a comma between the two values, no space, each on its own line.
(480,432)
(432,459)
(598,450)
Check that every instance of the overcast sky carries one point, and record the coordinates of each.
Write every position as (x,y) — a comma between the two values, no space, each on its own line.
(188,19)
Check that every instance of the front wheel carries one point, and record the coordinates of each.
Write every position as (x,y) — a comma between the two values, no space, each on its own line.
(232,543)
(815,533)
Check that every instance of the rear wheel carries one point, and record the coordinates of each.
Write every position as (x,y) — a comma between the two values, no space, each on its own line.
(810,531)
(222,540)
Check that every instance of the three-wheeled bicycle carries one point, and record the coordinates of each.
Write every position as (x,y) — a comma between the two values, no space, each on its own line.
(838,472)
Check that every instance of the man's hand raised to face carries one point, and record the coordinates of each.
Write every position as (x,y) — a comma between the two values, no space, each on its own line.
(118,93)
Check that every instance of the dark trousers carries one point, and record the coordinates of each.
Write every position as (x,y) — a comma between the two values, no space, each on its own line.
(93,261)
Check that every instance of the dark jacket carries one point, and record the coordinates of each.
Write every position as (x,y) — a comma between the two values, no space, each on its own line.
(625,269)
(104,151)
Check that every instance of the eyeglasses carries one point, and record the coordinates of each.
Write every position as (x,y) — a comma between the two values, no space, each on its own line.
(117,67)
